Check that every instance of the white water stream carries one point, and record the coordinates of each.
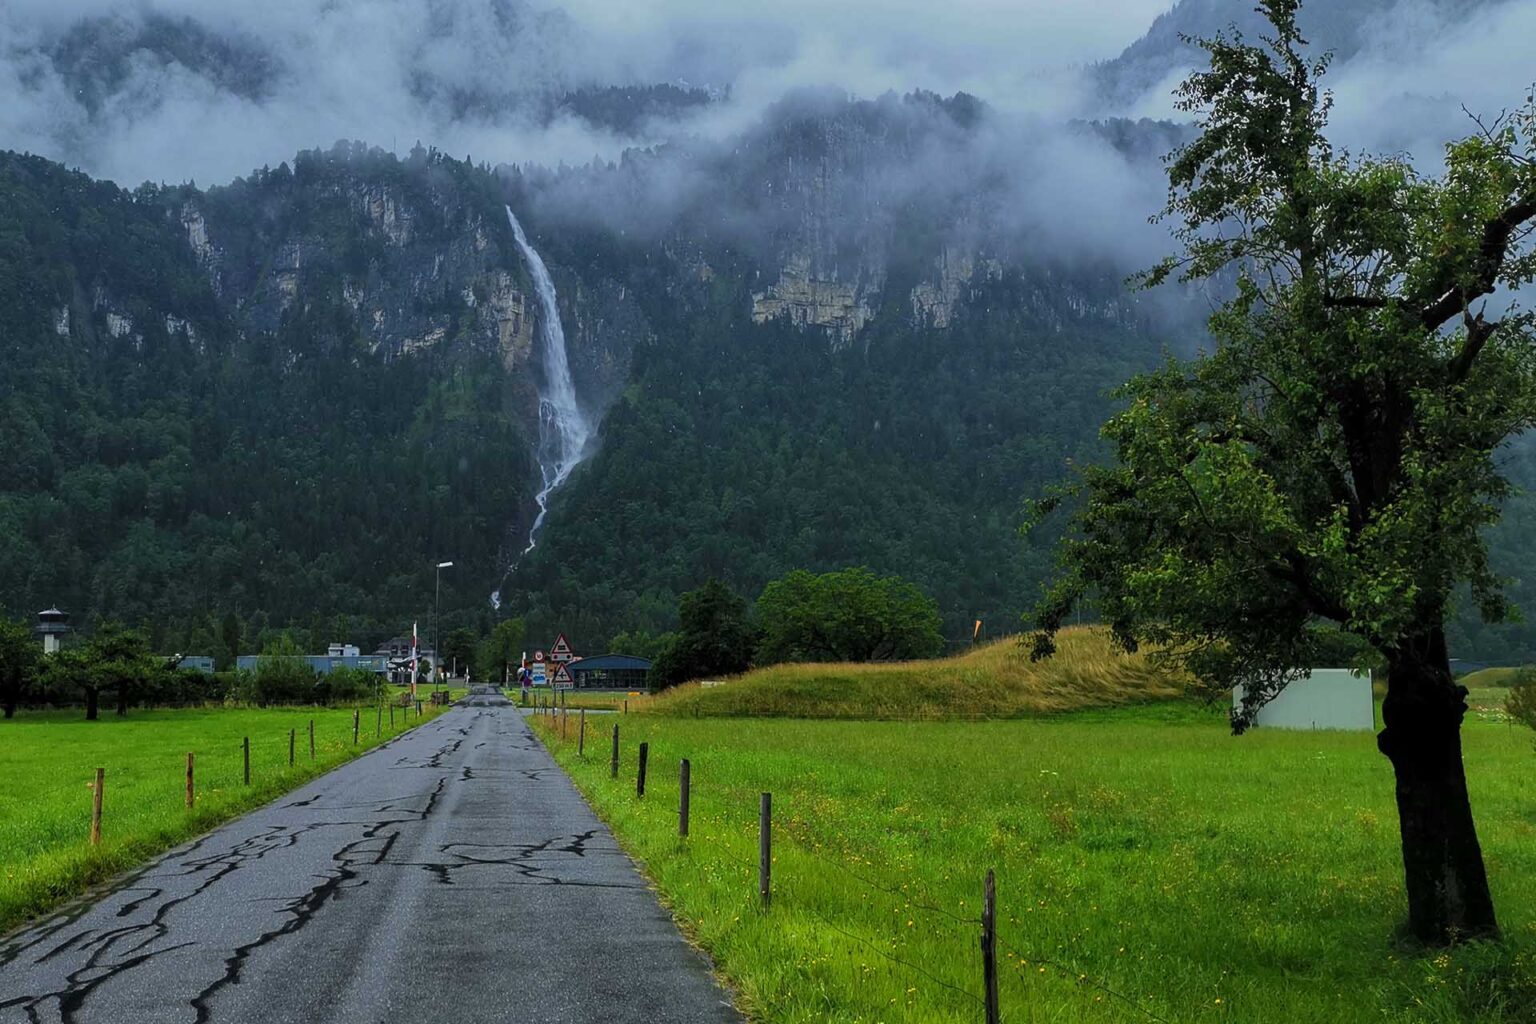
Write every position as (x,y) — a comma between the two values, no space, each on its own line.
(563,430)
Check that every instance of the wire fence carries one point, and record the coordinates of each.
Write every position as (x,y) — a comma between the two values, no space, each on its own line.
(969,932)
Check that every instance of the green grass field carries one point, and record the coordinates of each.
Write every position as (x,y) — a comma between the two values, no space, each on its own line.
(1150,867)
(49,760)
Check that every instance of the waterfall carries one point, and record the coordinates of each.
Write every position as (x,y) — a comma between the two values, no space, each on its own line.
(563,430)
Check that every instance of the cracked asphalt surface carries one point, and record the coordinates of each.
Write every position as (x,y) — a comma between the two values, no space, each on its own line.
(452,875)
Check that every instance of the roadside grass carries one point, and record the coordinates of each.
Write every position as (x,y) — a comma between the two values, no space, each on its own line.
(1150,867)
(591,700)
(49,759)
(996,680)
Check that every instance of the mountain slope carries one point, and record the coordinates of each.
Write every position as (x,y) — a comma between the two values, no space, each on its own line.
(186,443)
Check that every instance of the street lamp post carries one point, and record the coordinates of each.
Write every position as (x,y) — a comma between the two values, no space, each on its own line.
(437,651)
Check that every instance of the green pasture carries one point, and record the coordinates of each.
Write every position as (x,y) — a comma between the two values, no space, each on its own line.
(1150,867)
(48,762)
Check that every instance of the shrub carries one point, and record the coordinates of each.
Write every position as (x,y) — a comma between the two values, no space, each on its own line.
(1521,701)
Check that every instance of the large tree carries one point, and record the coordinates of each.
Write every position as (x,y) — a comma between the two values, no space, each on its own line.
(849,615)
(1331,464)
(714,636)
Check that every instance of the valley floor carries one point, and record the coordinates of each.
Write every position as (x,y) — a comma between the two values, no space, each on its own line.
(1150,866)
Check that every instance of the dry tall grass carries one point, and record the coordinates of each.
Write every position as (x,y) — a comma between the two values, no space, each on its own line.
(997,680)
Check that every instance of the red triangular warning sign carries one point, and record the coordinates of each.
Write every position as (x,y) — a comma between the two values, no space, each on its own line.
(561,651)
(562,676)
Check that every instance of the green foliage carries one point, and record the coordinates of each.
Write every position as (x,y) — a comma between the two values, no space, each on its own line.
(195,463)
(714,637)
(743,451)
(849,615)
(19,655)
(344,685)
(1520,702)
(282,676)
(1333,459)
(641,644)
(500,654)
(460,646)
(113,658)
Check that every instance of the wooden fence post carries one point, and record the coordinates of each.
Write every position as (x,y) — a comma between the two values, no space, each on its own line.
(581,734)
(682,799)
(645,749)
(765,849)
(989,947)
(293,735)
(613,768)
(626,705)
(357,714)
(311,739)
(391,717)
(191,792)
(101,784)
(246,746)
(378,724)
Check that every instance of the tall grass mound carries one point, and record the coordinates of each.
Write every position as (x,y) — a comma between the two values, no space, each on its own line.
(1489,678)
(997,680)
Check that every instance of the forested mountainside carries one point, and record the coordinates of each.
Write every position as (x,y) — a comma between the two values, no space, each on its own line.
(213,402)
(286,398)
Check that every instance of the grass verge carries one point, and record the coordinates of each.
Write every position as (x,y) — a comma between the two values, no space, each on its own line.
(49,761)
(1150,867)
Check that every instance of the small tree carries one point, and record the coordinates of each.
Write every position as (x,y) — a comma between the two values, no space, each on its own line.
(1332,460)
(229,634)
(1520,702)
(851,615)
(714,637)
(283,676)
(459,647)
(502,651)
(19,656)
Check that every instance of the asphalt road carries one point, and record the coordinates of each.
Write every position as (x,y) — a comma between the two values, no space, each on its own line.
(452,876)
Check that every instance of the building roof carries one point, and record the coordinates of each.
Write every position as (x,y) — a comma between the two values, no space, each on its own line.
(610,663)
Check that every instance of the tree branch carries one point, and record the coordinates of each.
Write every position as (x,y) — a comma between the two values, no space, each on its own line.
(1478,333)
(1496,240)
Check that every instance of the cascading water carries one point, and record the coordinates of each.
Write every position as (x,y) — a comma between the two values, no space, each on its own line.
(563,430)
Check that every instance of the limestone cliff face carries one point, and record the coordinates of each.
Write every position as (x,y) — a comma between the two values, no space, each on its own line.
(811,300)
(935,301)
(415,271)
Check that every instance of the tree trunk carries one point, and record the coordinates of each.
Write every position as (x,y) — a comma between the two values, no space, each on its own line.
(10,706)
(122,699)
(1447,886)
(92,704)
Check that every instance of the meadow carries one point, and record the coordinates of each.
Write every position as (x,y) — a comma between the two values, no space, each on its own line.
(1150,866)
(48,761)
